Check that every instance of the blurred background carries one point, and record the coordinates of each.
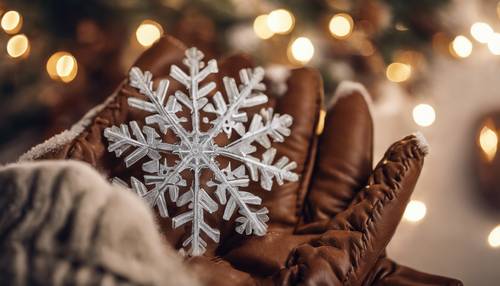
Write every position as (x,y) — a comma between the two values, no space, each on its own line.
(431,65)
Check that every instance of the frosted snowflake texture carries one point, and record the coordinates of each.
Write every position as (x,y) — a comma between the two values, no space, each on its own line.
(196,148)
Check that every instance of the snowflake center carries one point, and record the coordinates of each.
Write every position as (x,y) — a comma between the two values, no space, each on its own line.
(197,149)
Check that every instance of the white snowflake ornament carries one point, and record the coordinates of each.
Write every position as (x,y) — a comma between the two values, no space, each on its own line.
(196,149)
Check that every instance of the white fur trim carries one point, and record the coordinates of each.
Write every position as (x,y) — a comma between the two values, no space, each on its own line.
(66,136)
(422,143)
(347,88)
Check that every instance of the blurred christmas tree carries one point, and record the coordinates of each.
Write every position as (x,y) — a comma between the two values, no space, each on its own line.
(63,57)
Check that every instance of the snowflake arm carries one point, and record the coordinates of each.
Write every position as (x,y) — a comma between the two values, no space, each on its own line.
(165,115)
(250,221)
(276,127)
(199,201)
(150,197)
(192,82)
(248,95)
(281,170)
(150,145)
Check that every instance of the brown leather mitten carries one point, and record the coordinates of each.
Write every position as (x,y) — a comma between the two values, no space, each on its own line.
(330,227)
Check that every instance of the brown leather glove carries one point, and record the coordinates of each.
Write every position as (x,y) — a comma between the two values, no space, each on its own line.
(329,228)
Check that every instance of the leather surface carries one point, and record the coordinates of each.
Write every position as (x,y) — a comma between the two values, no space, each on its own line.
(329,228)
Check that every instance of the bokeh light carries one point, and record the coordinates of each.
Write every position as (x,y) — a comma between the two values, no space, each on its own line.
(424,115)
(302,50)
(461,47)
(494,237)
(280,21)
(341,26)
(488,141)
(148,33)
(481,32)
(398,72)
(261,28)
(11,22)
(494,44)
(62,66)
(18,46)
(415,211)
(65,65)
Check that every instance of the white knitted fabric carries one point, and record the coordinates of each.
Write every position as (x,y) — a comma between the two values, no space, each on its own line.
(61,223)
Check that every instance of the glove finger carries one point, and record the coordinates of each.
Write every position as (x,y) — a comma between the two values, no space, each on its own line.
(302,101)
(263,255)
(363,230)
(216,271)
(389,273)
(345,151)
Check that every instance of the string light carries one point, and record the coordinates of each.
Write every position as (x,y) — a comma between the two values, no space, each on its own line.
(148,33)
(341,26)
(494,44)
(461,47)
(424,115)
(415,211)
(302,50)
(494,237)
(11,22)
(481,32)
(62,66)
(488,141)
(280,21)
(18,46)
(261,28)
(398,72)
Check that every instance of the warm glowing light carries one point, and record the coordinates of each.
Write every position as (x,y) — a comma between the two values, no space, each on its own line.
(494,237)
(398,72)
(482,32)
(51,64)
(321,122)
(65,65)
(341,25)
(148,33)
(494,44)
(11,22)
(415,211)
(424,115)
(62,66)
(280,21)
(461,47)
(18,46)
(261,28)
(302,50)
(488,141)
